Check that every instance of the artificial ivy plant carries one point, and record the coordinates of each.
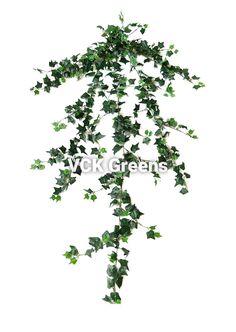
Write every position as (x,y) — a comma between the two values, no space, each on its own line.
(113,66)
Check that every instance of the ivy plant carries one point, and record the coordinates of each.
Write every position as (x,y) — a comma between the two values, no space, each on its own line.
(113,66)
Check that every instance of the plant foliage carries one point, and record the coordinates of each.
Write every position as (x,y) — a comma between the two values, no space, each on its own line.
(110,58)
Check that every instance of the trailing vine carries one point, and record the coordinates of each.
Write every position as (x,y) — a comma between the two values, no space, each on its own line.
(113,66)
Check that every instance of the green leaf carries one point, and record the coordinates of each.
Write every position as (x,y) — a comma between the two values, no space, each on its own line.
(199,85)
(74,250)
(146,140)
(135,147)
(115,297)
(68,254)
(110,283)
(89,252)
(57,126)
(121,17)
(72,255)
(160,45)
(110,106)
(93,197)
(117,148)
(119,212)
(103,150)
(106,237)
(132,81)
(107,299)
(184,191)
(192,134)
(73,260)
(152,227)
(119,282)
(133,60)
(86,196)
(151,234)
(112,271)
(37,165)
(125,251)
(52,64)
(113,257)
(133,211)
(169,91)
(96,243)
(38,85)
(172,122)
(56,198)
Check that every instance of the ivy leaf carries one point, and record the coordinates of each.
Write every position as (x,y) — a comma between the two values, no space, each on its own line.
(135,147)
(90,195)
(133,60)
(37,165)
(56,198)
(93,197)
(169,91)
(119,212)
(117,148)
(119,282)
(132,81)
(110,283)
(96,243)
(74,251)
(109,106)
(172,122)
(133,211)
(151,234)
(191,133)
(72,255)
(199,85)
(121,17)
(112,271)
(184,191)
(52,64)
(115,297)
(38,85)
(102,150)
(143,29)
(89,252)
(125,251)
(107,299)
(146,140)
(57,126)
(113,257)
(73,260)
(106,237)
(86,196)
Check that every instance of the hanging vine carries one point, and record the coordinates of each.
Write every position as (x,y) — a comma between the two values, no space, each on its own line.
(109,59)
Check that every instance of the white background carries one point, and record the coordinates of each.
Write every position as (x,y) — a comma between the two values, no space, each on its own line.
(184,281)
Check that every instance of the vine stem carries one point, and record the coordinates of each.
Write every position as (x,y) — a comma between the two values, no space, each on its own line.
(120,205)
(133,32)
(177,129)
(139,223)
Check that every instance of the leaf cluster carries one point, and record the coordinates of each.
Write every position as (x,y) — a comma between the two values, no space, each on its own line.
(109,58)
